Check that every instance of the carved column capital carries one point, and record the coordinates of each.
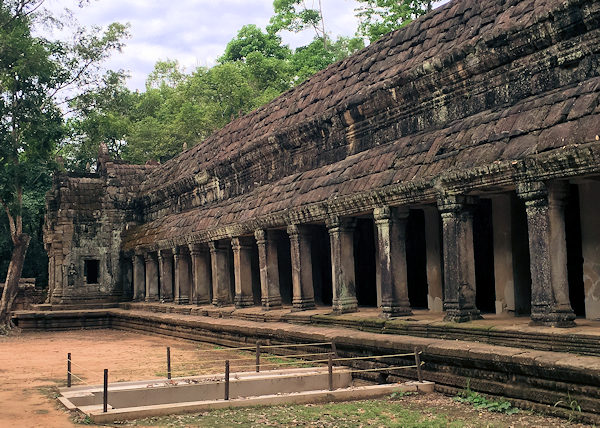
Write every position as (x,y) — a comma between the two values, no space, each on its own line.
(455,204)
(340,224)
(539,193)
(196,249)
(260,235)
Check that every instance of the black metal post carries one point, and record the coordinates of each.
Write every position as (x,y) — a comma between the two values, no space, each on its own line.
(257,356)
(168,362)
(105,395)
(69,370)
(418,363)
(226,379)
(334,349)
(330,369)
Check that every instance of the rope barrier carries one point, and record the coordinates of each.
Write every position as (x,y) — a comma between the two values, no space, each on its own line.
(78,378)
(89,371)
(266,356)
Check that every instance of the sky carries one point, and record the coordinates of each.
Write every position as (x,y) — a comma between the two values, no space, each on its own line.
(194,32)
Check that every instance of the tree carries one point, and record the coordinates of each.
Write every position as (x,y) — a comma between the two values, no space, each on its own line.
(251,39)
(379,17)
(33,72)
(296,16)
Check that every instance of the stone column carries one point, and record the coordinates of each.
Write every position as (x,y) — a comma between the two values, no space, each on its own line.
(269,270)
(221,278)
(139,281)
(302,277)
(201,276)
(341,236)
(165,267)
(151,278)
(391,251)
(589,195)
(242,267)
(503,254)
(459,258)
(51,277)
(550,304)
(182,276)
(435,282)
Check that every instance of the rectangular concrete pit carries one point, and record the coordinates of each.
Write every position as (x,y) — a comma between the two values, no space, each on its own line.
(131,400)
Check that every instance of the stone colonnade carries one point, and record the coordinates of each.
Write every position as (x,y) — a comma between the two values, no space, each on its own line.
(223,272)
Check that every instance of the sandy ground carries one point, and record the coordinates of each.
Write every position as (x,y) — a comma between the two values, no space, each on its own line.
(32,365)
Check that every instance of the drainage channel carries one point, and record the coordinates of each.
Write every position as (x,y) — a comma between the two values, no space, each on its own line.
(323,378)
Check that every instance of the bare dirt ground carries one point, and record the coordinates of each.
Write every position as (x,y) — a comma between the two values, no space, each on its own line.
(33,365)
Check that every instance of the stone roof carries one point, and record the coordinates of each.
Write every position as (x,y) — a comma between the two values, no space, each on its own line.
(471,84)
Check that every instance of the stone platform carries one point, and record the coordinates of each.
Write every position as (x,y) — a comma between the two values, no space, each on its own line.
(530,378)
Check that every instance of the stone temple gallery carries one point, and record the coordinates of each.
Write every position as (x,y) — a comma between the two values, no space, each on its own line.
(453,165)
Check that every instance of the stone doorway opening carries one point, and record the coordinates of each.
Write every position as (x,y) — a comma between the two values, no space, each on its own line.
(574,251)
(365,262)
(416,260)
(483,246)
(321,266)
(284,264)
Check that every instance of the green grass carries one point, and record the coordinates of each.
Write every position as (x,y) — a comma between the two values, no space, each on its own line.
(361,413)
(481,402)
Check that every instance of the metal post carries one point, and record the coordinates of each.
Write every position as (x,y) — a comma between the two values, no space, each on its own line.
(168,362)
(257,356)
(69,370)
(418,363)
(226,379)
(330,369)
(105,395)
(333,349)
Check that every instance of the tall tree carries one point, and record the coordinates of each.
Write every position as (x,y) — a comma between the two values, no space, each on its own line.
(296,16)
(379,17)
(33,72)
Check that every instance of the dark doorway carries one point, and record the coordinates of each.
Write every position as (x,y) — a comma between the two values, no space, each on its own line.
(91,271)
(483,246)
(574,252)
(284,263)
(520,256)
(416,259)
(364,262)
(321,266)
(256,291)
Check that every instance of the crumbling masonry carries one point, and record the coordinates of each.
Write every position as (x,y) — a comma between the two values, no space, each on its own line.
(452,165)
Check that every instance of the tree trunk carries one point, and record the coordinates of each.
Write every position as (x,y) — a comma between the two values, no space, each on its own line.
(11,287)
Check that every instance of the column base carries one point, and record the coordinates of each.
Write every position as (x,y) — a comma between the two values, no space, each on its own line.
(342,306)
(182,300)
(556,318)
(303,305)
(271,303)
(395,311)
(202,301)
(151,299)
(220,302)
(462,315)
(242,301)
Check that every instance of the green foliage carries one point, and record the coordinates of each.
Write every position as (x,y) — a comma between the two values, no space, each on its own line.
(251,39)
(572,404)
(398,394)
(295,16)
(481,402)
(379,17)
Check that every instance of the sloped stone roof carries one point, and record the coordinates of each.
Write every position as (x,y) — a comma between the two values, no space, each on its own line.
(471,84)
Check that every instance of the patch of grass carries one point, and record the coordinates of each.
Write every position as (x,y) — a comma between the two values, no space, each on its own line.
(396,395)
(480,402)
(49,392)
(572,404)
(343,415)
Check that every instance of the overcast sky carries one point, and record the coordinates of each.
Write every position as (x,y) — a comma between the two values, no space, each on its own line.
(194,32)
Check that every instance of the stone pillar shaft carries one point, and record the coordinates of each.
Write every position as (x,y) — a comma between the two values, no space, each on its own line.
(302,277)
(391,250)
(182,276)
(201,275)
(165,267)
(341,236)
(503,253)
(269,270)
(139,281)
(435,281)
(242,266)
(221,278)
(459,259)
(550,304)
(151,278)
